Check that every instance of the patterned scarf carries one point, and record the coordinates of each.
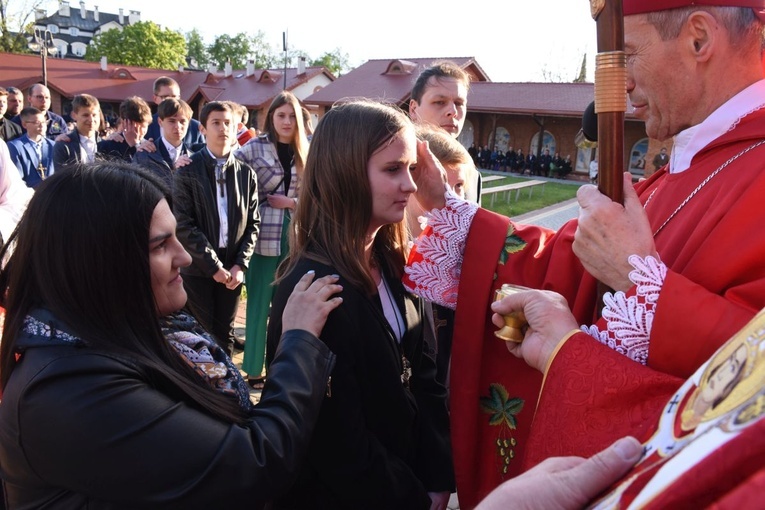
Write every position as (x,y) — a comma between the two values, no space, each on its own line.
(200,352)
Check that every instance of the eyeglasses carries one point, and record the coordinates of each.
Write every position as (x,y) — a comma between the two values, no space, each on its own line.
(169,96)
(35,122)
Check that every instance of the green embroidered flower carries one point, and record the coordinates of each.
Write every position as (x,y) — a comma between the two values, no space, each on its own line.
(513,244)
(501,408)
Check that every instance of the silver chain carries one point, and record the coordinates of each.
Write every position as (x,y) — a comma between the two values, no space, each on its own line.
(698,188)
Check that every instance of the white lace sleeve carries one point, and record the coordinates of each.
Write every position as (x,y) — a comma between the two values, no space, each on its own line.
(433,270)
(629,319)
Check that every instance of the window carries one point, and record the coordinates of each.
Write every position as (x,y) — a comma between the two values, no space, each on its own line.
(637,157)
(74,31)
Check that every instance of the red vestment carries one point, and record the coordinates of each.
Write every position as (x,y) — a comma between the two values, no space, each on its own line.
(715,283)
(593,396)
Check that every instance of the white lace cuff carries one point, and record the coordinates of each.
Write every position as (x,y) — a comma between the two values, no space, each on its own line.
(629,319)
(433,270)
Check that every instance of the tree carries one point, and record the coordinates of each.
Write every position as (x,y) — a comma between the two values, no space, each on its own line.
(241,48)
(235,49)
(196,51)
(336,61)
(16,23)
(143,44)
(263,54)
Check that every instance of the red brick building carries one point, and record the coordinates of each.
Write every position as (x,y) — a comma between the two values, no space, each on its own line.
(500,115)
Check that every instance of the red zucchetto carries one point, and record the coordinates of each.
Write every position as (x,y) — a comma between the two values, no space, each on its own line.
(644,6)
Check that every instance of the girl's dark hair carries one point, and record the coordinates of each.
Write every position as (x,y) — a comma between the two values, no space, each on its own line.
(81,250)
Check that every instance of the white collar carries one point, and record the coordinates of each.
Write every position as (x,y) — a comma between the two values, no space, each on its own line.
(690,141)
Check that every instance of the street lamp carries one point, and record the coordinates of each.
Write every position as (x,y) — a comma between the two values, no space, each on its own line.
(43,42)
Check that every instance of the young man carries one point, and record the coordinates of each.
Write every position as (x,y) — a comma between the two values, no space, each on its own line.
(167,88)
(82,145)
(8,129)
(216,205)
(32,153)
(173,116)
(439,97)
(135,116)
(39,97)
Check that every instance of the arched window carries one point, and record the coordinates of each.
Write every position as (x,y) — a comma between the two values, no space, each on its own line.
(501,139)
(548,142)
(467,136)
(637,157)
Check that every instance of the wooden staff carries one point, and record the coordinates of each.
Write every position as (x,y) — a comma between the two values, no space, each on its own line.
(610,95)
(610,102)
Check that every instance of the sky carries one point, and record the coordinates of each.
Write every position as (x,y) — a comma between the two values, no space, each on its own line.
(512,40)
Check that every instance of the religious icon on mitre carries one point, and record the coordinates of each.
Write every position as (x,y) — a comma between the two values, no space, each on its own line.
(733,376)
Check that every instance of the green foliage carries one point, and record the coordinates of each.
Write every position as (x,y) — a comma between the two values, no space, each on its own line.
(336,61)
(142,44)
(196,50)
(16,24)
(241,48)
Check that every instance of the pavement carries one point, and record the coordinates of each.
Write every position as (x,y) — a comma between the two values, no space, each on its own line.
(551,217)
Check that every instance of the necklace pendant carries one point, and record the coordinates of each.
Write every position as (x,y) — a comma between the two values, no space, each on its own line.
(406,373)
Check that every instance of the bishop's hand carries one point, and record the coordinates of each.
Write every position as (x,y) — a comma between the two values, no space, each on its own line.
(608,233)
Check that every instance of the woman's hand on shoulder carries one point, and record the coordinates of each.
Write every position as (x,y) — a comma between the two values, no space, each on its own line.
(311,301)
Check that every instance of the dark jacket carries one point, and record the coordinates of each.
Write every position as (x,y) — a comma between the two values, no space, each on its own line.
(159,161)
(84,428)
(114,150)
(195,199)
(68,153)
(9,130)
(193,138)
(378,444)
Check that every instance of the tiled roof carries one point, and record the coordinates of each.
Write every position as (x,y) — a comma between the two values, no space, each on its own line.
(370,80)
(386,79)
(257,90)
(71,76)
(76,20)
(544,98)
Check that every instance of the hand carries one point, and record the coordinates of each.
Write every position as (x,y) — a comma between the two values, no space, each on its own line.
(237,277)
(565,482)
(183,160)
(439,500)
(63,137)
(222,276)
(116,137)
(549,321)
(608,233)
(430,178)
(147,145)
(280,201)
(310,303)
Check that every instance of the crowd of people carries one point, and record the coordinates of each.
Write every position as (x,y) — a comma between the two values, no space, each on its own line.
(516,162)
(383,384)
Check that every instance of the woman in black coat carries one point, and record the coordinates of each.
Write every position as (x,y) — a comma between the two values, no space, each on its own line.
(382,438)
(113,397)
